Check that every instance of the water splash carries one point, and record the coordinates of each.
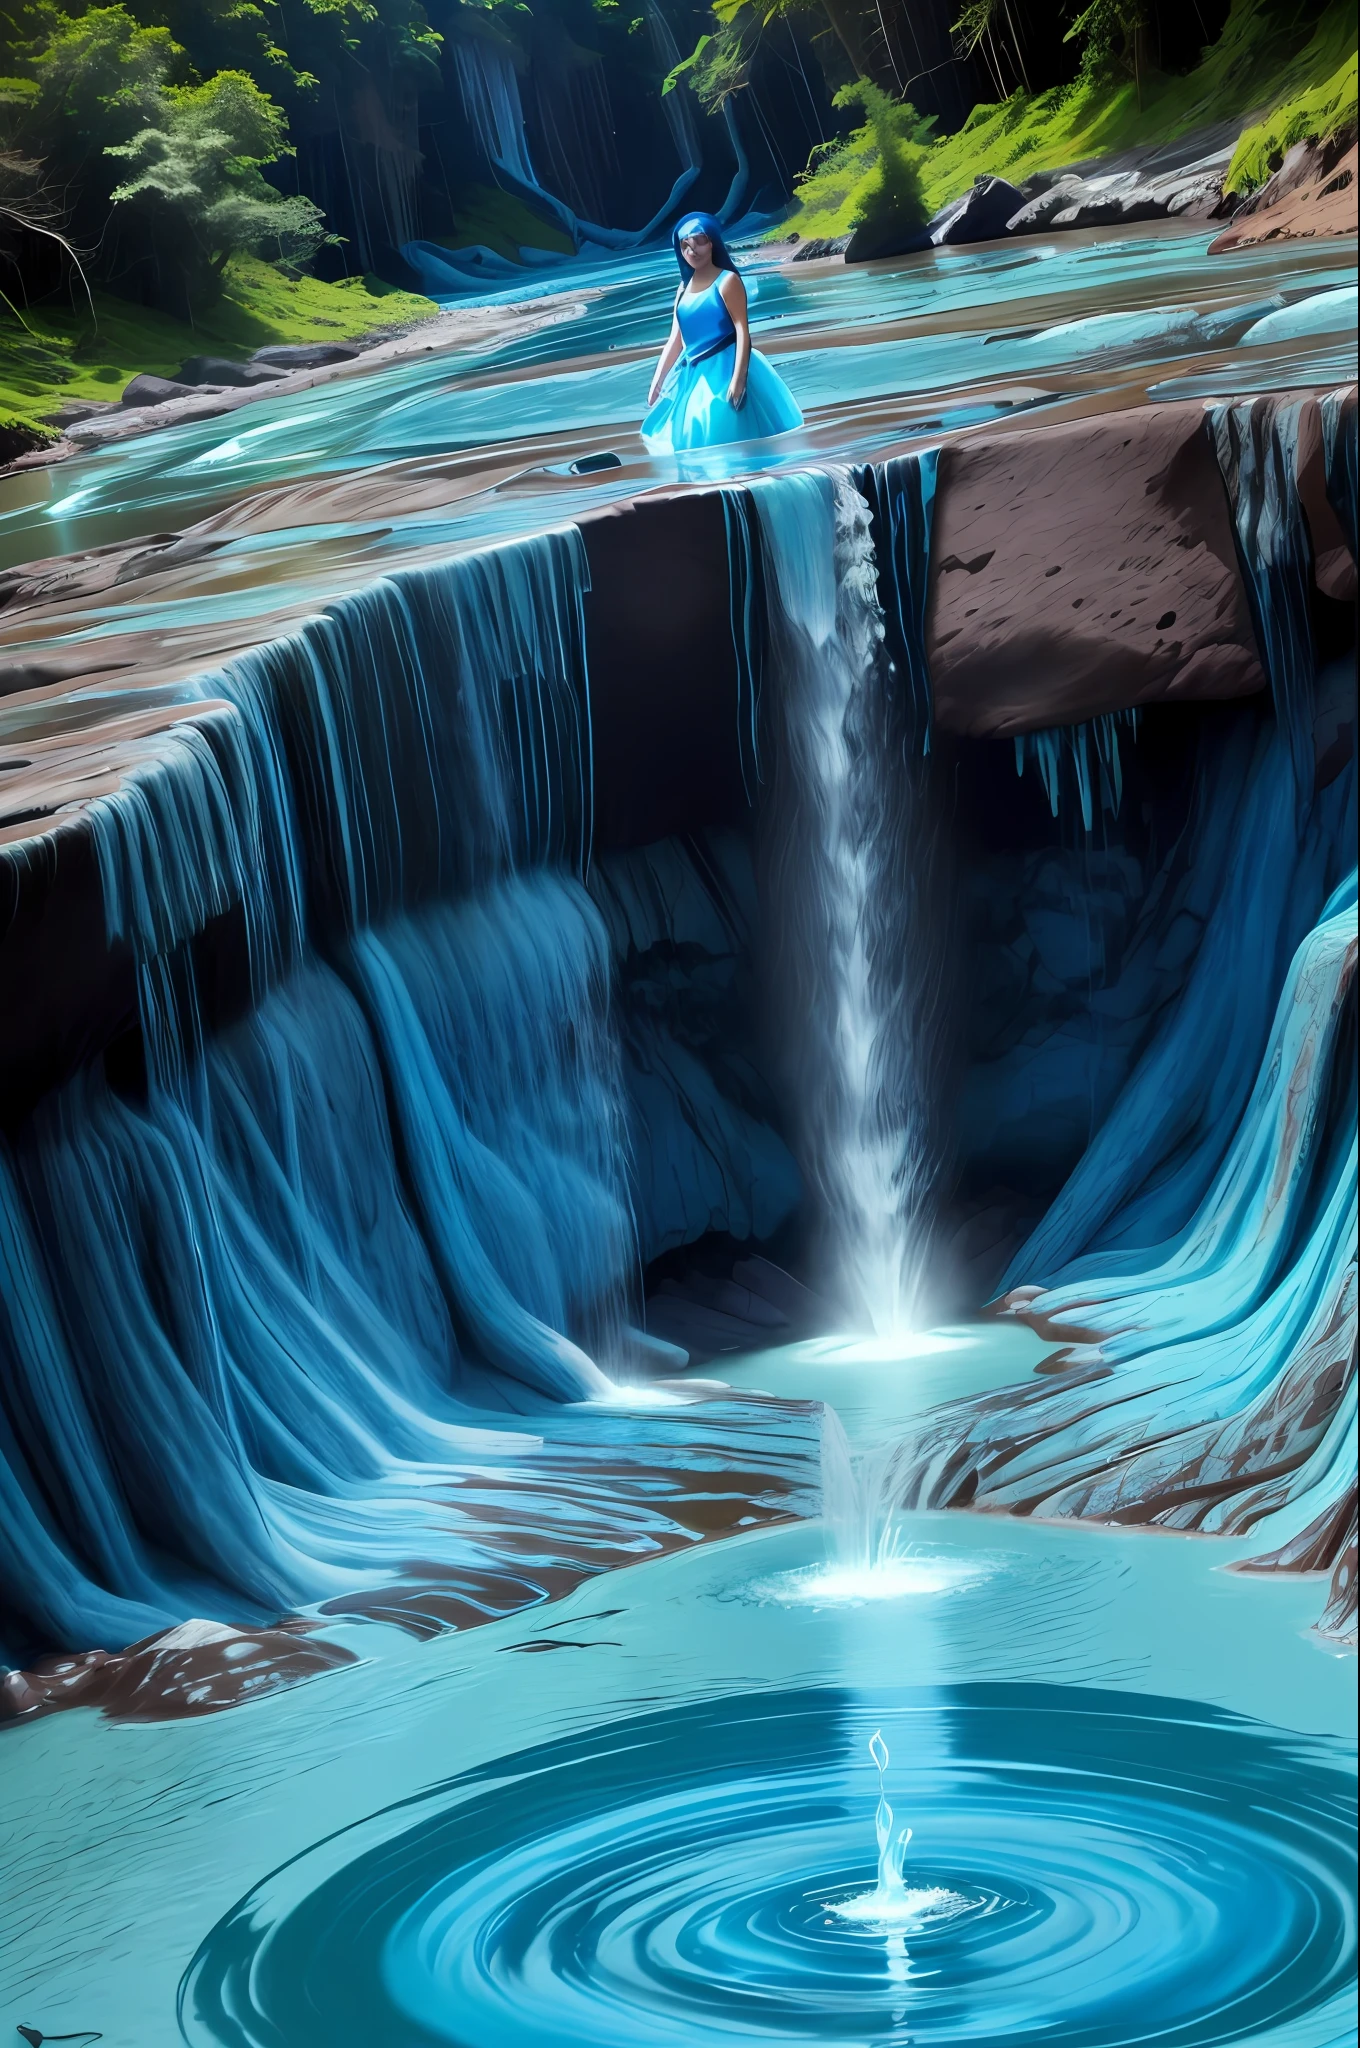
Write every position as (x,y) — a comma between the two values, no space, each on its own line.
(868,1553)
(894,1909)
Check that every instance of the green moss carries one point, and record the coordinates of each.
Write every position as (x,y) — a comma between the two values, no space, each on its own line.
(53,354)
(1322,104)
(1263,60)
(20,435)
(498,220)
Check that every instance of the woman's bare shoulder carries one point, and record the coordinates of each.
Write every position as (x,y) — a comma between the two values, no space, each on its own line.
(733,291)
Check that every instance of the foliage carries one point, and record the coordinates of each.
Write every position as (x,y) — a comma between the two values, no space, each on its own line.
(60,353)
(873,174)
(1318,101)
(197,180)
(1260,59)
(500,221)
(1108,32)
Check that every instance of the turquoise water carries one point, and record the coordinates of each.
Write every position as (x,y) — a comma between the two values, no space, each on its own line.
(627,1814)
(846,340)
(1131,1766)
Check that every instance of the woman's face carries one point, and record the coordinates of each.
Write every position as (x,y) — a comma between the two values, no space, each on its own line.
(697,250)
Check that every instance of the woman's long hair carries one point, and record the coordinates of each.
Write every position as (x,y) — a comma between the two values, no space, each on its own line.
(701,224)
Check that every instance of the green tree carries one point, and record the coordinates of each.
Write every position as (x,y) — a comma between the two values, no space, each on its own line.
(197,182)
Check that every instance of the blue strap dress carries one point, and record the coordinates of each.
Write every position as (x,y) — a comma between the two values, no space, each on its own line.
(692,411)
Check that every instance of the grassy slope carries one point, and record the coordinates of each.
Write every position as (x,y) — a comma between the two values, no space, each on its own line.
(1249,70)
(55,353)
(498,220)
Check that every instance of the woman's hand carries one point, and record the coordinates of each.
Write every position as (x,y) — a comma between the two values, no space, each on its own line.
(736,391)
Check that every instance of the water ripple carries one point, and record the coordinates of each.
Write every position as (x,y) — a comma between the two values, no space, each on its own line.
(1101,1870)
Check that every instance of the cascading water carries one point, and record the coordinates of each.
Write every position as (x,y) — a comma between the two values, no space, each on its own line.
(858,964)
(304,1248)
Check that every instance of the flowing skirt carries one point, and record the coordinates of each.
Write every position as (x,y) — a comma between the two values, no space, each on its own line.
(693,412)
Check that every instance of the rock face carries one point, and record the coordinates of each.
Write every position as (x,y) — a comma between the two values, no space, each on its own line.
(200,1667)
(979,216)
(1082,569)
(305,355)
(222,372)
(148,390)
(1192,191)
(661,697)
(1312,193)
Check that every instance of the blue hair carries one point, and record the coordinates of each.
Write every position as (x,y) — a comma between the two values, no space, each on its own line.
(701,224)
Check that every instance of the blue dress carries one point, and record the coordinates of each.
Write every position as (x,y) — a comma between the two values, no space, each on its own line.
(692,411)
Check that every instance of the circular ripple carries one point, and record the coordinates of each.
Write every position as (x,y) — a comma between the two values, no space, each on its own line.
(1103,1870)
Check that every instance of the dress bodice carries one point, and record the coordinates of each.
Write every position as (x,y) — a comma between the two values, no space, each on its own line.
(705,323)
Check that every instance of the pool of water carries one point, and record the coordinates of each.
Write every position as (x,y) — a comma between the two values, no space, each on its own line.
(1129,1769)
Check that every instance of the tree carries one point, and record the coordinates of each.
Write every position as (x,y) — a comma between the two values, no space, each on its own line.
(166,168)
(197,182)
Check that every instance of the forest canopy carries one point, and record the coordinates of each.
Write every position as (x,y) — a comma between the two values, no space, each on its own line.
(155,149)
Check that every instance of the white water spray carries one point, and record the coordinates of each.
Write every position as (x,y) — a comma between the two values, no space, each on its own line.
(894,1909)
(854,977)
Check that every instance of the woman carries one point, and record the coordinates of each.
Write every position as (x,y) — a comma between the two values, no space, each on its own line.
(710,386)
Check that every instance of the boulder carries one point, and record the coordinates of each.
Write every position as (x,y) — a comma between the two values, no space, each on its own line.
(1312,193)
(305,355)
(220,371)
(821,245)
(981,215)
(1109,198)
(1038,211)
(1082,569)
(148,390)
(877,239)
(74,409)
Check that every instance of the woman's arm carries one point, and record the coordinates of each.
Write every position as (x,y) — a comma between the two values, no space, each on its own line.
(670,356)
(734,298)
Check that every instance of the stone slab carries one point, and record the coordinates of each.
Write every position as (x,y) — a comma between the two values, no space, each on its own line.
(1081,569)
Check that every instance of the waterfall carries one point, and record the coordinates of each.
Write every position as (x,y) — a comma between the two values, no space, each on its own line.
(1093,750)
(1256,441)
(360,1170)
(859,960)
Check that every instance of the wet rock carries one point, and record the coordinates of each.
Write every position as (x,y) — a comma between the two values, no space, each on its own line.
(305,355)
(145,389)
(222,373)
(1081,570)
(75,409)
(981,215)
(1312,193)
(200,1667)
(1334,569)
(821,245)
(1107,198)
(1039,210)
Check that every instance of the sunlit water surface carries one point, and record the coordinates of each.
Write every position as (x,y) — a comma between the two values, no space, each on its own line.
(312,491)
